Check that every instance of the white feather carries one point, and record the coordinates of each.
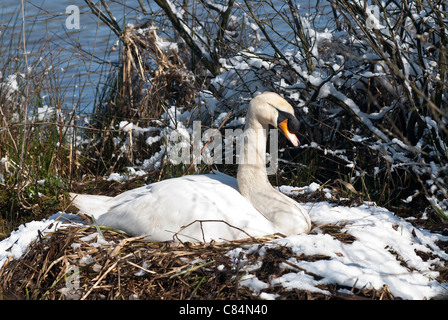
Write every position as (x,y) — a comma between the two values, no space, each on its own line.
(161,209)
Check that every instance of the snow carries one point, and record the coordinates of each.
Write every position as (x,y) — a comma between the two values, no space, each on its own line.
(131,173)
(100,241)
(357,111)
(17,243)
(129,127)
(45,113)
(372,21)
(374,259)
(383,252)
(10,86)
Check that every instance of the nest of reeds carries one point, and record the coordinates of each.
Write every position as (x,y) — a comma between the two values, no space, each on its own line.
(86,262)
(81,263)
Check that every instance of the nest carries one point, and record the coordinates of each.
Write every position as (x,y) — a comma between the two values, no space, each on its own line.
(91,263)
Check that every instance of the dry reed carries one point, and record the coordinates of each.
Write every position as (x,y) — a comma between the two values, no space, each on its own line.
(77,262)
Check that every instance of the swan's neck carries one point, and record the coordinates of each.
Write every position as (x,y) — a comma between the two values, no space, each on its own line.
(253,184)
(252,177)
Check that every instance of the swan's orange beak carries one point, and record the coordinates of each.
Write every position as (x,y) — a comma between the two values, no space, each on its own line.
(291,136)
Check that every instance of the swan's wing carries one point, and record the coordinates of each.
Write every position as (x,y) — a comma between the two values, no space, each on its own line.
(162,209)
(224,178)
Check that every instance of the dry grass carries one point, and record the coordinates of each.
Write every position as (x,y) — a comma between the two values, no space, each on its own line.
(68,265)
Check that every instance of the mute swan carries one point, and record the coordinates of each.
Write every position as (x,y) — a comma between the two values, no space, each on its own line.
(249,205)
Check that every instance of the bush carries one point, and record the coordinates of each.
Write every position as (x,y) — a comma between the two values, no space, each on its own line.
(368,79)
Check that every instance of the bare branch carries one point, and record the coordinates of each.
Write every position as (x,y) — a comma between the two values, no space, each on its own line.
(184,32)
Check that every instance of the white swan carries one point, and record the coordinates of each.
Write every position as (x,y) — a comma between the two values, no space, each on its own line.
(212,206)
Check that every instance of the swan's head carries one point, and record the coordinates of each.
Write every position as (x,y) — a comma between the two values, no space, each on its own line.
(271,108)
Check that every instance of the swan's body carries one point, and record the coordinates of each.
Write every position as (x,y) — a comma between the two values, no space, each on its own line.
(161,210)
(223,207)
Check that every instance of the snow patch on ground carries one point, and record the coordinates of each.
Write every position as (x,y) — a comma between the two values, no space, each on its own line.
(384,253)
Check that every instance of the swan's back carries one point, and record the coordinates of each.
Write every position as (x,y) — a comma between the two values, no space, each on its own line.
(161,210)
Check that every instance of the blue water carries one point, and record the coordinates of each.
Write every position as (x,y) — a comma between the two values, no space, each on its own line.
(81,58)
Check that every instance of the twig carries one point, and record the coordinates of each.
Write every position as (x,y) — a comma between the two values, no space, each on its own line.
(98,281)
(140,267)
(192,269)
(180,26)
(112,24)
(175,236)
(123,243)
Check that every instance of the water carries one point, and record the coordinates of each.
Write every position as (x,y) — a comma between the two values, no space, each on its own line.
(82,57)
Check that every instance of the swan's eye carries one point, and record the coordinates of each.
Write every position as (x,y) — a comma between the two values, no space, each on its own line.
(292,122)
